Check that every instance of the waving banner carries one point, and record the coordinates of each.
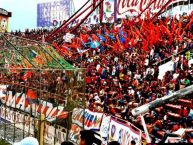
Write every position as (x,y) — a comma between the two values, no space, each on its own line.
(92,120)
(123,133)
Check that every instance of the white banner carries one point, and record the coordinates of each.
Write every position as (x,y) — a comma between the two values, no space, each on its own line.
(77,116)
(26,123)
(77,125)
(21,121)
(21,102)
(123,133)
(58,132)
(136,7)
(92,120)
(104,129)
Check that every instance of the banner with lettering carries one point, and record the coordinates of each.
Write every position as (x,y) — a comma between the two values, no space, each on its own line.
(104,129)
(74,134)
(77,116)
(108,11)
(21,121)
(53,13)
(92,120)
(136,7)
(123,133)
(77,125)
(22,102)
(92,19)
(56,131)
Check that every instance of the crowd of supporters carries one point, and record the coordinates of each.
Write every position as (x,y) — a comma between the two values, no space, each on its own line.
(122,70)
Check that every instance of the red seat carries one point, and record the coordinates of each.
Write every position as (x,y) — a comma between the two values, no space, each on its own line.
(174,115)
(190,140)
(160,133)
(185,103)
(175,108)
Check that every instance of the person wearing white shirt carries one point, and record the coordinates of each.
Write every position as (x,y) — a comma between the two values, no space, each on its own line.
(175,75)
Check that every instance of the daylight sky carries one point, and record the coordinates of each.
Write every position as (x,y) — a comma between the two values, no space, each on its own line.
(24,12)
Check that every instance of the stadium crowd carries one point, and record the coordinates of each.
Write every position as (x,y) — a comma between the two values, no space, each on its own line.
(122,70)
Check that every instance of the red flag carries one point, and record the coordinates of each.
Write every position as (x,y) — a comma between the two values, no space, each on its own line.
(132,42)
(148,15)
(188,26)
(84,37)
(26,75)
(94,37)
(106,30)
(31,94)
(179,27)
(145,45)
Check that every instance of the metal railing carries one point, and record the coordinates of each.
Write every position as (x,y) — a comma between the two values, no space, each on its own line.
(27,94)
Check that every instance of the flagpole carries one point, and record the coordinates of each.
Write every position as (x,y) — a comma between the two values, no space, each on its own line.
(145,129)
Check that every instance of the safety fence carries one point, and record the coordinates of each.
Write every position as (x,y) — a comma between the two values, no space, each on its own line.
(26,95)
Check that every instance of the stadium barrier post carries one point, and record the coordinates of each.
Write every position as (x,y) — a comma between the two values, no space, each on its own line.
(42,118)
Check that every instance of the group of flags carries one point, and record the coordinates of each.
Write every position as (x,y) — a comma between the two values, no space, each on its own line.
(132,33)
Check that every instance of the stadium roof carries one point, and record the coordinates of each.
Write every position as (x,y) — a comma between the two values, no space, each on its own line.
(16,52)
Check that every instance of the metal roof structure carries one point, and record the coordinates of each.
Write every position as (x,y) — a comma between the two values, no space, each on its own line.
(17,52)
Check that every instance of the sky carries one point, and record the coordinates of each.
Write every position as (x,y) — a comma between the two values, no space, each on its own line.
(24,12)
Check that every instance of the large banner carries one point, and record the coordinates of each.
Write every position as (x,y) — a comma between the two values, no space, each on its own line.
(23,102)
(21,121)
(77,125)
(27,123)
(56,131)
(92,120)
(53,13)
(113,9)
(104,129)
(136,7)
(123,133)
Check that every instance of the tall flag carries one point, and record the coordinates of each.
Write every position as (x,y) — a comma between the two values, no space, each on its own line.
(31,96)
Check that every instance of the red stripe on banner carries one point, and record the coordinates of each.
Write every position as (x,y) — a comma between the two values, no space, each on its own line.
(63,115)
(39,108)
(45,110)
